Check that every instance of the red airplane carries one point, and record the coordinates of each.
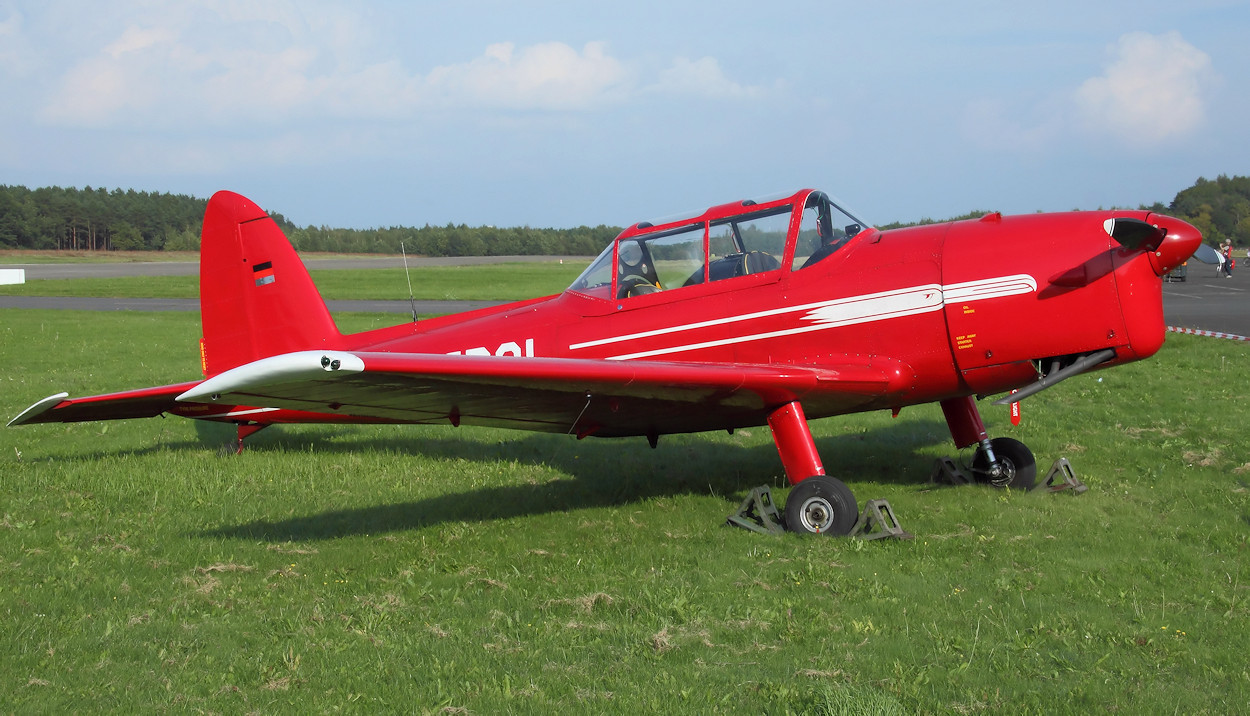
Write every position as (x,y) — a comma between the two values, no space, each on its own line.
(754,312)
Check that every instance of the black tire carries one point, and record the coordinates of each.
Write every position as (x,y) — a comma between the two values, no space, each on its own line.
(821,505)
(1020,469)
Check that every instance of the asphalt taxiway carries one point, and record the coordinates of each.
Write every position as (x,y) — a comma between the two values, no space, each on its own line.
(1207,301)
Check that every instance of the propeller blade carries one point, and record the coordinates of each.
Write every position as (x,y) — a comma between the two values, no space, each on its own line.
(1207,254)
(1135,233)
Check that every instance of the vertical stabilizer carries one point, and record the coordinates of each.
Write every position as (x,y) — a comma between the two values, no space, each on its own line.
(256,297)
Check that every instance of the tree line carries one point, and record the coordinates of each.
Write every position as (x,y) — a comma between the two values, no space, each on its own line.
(1220,209)
(97,219)
(53,218)
(456,240)
(127,220)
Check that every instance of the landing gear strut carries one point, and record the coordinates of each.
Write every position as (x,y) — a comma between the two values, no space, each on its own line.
(818,504)
(1001,462)
(246,430)
(1005,462)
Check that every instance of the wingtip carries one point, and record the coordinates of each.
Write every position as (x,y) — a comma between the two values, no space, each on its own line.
(287,366)
(30,414)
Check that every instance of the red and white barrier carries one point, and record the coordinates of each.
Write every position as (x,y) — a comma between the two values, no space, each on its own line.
(1211,334)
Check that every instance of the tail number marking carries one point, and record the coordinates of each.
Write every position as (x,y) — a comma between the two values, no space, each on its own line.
(511,348)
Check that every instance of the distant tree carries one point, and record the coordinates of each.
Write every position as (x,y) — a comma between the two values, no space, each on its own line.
(125,237)
(974,214)
(184,240)
(12,221)
(1241,233)
(1216,208)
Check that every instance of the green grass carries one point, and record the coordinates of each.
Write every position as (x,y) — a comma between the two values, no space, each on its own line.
(492,282)
(441,570)
(27,256)
(128,287)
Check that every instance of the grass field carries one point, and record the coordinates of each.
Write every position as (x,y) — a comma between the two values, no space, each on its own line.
(491,282)
(439,570)
(45,256)
(32,256)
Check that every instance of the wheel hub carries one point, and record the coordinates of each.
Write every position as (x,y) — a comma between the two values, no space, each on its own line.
(817,514)
(1002,472)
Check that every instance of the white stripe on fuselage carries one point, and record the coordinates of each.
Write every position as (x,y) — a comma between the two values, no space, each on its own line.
(834,313)
(235,413)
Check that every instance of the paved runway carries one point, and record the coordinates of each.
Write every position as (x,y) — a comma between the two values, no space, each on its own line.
(1209,302)
(1206,301)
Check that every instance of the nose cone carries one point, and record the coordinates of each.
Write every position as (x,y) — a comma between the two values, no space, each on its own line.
(1181,241)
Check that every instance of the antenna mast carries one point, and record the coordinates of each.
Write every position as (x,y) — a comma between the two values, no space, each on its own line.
(411,301)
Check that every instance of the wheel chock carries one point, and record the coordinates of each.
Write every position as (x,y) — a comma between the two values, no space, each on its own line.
(758,513)
(946,471)
(1061,477)
(878,521)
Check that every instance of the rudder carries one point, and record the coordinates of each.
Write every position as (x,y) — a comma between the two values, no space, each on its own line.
(256,297)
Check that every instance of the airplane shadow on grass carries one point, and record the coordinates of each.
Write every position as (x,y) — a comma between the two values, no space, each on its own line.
(604,473)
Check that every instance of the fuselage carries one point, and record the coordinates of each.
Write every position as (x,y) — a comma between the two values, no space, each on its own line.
(959,308)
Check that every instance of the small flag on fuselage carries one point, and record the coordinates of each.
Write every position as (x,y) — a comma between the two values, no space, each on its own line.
(263,273)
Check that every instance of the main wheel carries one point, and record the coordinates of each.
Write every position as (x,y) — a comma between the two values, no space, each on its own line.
(821,505)
(1019,468)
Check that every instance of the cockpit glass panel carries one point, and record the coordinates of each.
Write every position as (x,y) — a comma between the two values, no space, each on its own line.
(825,228)
(748,244)
(596,280)
(648,264)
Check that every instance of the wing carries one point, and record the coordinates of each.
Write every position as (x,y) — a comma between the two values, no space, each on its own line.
(586,397)
(142,403)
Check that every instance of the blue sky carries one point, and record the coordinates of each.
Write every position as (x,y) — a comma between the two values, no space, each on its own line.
(360,114)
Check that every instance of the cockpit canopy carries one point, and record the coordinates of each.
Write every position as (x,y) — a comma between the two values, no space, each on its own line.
(727,241)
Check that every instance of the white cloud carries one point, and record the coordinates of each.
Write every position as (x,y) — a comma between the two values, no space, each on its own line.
(226,63)
(137,39)
(989,123)
(701,78)
(1152,91)
(214,66)
(550,76)
(15,49)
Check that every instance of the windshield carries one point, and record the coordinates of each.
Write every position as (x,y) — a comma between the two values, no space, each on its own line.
(596,280)
(739,242)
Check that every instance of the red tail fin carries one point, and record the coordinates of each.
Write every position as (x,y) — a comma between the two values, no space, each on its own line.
(256,298)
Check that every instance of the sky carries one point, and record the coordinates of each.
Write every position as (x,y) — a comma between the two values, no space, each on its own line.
(548,113)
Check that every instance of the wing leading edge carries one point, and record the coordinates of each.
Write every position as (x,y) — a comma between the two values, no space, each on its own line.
(586,397)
